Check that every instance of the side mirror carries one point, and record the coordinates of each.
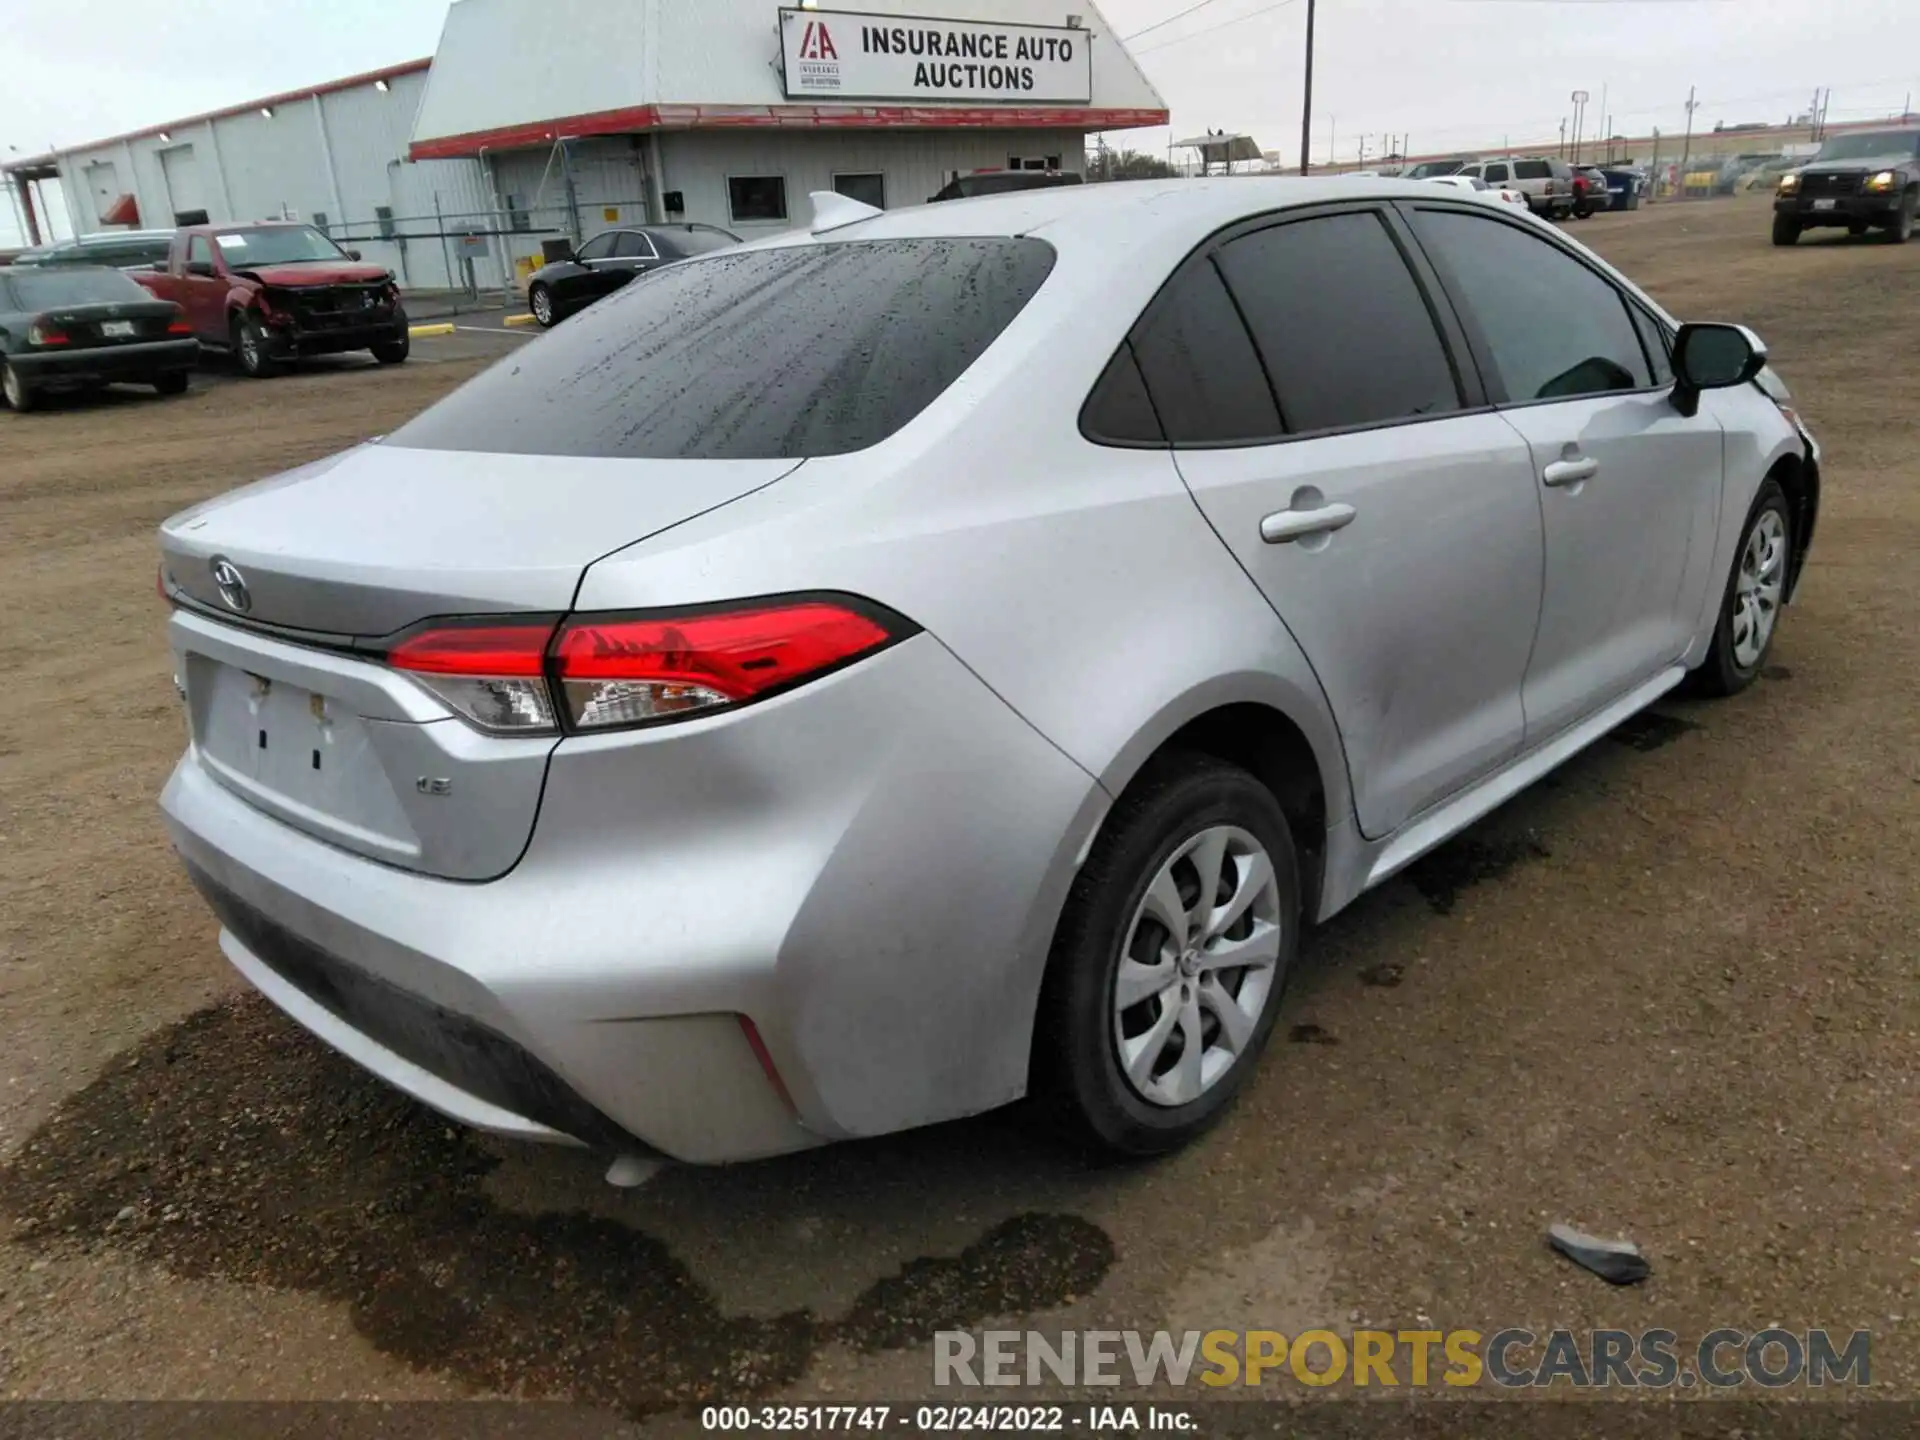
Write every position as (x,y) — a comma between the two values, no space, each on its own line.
(200,267)
(1713,357)
(353,254)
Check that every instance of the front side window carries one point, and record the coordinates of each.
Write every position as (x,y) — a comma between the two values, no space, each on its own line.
(753,198)
(800,351)
(1343,328)
(1555,329)
(200,251)
(600,247)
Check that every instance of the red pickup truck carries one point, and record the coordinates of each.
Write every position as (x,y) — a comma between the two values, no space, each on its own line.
(270,291)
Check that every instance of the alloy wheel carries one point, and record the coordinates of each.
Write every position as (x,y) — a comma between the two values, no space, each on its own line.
(1756,599)
(1197,966)
(543,307)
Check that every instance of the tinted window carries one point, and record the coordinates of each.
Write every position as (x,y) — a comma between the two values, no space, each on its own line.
(600,247)
(632,245)
(700,242)
(868,189)
(798,351)
(1200,366)
(1119,411)
(1555,328)
(1496,174)
(757,197)
(1531,170)
(41,288)
(1343,329)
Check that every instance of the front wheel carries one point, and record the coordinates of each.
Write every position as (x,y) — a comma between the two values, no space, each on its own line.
(1786,231)
(1900,228)
(1170,960)
(171,382)
(540,300)
(392,352)
(19,395)
(1757,588)
(250,344)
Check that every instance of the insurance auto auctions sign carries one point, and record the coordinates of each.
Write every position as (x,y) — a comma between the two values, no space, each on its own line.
(848,55)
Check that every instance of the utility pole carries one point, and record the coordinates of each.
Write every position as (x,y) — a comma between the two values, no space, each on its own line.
(1686,149)
(1330,150)
(1306,104)
(1562,151)
(1653,167)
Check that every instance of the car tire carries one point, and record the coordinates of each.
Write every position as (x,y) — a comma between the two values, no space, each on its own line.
(1785,231)
(171,382)
(1193,1032)
(1755,593)
(250,346)
(19,395)
(392,352)
(545,313)
(1900,228)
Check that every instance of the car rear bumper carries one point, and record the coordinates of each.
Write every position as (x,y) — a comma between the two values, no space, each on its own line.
(52,369)
(867,869)
(1876,209)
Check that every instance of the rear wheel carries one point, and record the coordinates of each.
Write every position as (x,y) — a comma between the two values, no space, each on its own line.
(1757,588)
(173,382)
(250,344)
(19,395)
(392,352)
(1168,967)
(1786,230)
(540,300)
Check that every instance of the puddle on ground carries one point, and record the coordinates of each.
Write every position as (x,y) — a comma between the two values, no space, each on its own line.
(233,1147)
(1468,860)
(1649,731)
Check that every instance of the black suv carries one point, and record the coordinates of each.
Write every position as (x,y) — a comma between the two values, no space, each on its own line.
(1861,180)
(998,182)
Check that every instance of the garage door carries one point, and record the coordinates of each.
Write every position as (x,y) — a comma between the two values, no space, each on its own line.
(184,195)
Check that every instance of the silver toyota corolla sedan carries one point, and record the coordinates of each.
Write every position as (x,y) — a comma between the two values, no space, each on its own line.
(865,677)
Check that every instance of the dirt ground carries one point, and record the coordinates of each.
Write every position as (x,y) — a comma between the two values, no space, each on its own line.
(1670,994)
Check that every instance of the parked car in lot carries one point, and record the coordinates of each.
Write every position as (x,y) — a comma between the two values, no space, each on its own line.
(1589,191)
(999,182)
(1863,180)
(82,328)
(612,258)
(1626,186)
(122,249)
(855,679)
(1546,182)
(273,291)
(1473,185)
(1436,169)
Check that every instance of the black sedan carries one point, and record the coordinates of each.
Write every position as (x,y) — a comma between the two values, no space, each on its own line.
(82,327)
(612,258)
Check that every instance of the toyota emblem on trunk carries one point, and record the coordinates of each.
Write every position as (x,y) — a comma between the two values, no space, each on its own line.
(231,584)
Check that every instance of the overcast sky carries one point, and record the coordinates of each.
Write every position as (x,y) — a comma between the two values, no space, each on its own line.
(1449,73)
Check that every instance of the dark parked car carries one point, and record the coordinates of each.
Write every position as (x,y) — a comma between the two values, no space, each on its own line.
(1860,180)
(1589,191)
(78,328)
(122,249)
(612,258)
(1625,186)
(998,182)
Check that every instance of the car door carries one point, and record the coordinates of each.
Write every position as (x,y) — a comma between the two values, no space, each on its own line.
(204,290)
(583,283)
(634,254)
(1629,487)
(1341,452)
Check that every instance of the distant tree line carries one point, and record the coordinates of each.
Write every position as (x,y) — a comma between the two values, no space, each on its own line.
(1105,164)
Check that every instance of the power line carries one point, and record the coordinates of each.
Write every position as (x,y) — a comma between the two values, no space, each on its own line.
(1158,24)
(1196,34)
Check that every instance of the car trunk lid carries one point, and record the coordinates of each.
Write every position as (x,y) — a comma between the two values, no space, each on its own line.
(289,588)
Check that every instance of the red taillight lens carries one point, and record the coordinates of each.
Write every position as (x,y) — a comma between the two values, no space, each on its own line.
(492,673)
(630,671)
(179,326)
(45,334)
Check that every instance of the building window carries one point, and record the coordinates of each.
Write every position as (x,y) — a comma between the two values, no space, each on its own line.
(517,217)
(383,216)
(320,221)
(869,188)
(756,197)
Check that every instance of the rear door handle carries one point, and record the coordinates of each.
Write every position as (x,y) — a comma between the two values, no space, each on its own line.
(1284,525)
(1570,472)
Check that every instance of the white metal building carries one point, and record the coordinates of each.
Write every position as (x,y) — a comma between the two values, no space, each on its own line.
(538,119)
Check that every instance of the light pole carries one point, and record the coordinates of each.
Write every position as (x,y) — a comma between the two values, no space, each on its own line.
(1306,105)
(1579,114)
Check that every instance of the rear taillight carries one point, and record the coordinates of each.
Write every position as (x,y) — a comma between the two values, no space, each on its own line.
(179,325)
(43,333)
(492,673)
(630,671)
(611,671)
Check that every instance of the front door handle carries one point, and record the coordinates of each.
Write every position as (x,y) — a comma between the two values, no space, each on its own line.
(1570,472)
(1284,525)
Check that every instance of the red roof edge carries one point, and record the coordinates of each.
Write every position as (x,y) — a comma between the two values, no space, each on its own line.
(782,117)
(285,97)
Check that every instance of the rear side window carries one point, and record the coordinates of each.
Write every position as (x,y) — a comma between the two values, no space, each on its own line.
(1200,366)
(1496,174)
(632,245)
(1554,328)
(799,351)
(1343,328)
(1119,411)
(1531,170)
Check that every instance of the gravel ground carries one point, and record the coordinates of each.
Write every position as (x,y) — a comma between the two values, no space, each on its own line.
(1671,993)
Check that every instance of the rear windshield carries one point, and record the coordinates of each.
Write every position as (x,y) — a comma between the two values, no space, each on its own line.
(786,353)
(700,242)
(43,289)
